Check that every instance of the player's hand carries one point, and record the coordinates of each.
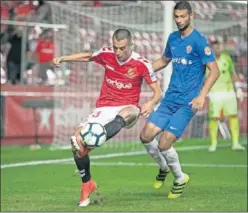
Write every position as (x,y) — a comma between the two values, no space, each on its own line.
(240,94)
(198,103)
(146,109)
(57,61)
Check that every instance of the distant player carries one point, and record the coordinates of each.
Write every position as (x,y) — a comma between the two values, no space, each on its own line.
(223,98)
(118,103)
(190,53)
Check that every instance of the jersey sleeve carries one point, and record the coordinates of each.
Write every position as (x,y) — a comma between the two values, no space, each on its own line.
(148,72)
(98,56)
(205,52)
(167,51)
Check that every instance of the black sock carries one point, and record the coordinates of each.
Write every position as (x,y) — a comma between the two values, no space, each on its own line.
(83,165)
(114,126)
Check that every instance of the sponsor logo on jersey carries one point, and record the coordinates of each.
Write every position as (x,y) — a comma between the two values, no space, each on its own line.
(207,51)
(182,61)
(188,49)
(119,85)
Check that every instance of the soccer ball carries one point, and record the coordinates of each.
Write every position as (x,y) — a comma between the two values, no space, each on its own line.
(93,135)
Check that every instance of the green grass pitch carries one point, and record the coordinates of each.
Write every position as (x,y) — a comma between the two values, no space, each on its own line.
(218,180)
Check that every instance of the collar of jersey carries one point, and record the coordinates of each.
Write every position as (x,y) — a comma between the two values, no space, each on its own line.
(121,63)
(187,35)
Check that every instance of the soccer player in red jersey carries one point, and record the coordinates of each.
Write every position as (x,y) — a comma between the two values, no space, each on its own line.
(118,103)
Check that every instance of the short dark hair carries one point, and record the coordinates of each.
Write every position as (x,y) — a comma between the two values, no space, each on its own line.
(121,34)
(183,5)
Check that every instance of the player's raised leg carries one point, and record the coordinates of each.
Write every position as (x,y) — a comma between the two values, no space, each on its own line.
(147,137)
(125,118)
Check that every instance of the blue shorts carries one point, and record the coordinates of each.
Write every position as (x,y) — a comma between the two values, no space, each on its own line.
(172,118)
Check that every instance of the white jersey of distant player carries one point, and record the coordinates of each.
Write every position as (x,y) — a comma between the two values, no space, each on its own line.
(119,87)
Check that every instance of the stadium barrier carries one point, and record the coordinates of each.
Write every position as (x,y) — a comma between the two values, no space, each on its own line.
(18,123)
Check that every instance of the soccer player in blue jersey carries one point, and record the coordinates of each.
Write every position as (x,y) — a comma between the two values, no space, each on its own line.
(190,53)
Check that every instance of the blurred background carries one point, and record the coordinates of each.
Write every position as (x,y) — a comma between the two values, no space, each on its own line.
(41,104)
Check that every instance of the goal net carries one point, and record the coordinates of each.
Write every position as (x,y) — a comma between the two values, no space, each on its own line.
(90,28)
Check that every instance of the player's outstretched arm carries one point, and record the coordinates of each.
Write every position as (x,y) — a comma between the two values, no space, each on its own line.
(147,108)
(160,63)
(79,57)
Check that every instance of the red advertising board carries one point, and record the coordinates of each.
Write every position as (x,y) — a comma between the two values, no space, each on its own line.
(19,122)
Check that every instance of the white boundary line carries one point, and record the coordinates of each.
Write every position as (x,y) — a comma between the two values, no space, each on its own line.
(120,163)
(155,164)
(105,156)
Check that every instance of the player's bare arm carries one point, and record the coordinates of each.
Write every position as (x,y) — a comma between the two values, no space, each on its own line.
(147,108)
(78,57)
(198,102)
(160,63)
(238,86)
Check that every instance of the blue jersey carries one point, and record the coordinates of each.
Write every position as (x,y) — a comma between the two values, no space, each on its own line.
(189,56)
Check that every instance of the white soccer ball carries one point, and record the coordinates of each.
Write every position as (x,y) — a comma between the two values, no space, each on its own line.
(93,135)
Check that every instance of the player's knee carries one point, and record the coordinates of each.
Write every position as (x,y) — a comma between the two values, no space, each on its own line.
(164,146)
(165,143)
(145,138)
(129,113)
(131,121)
(124,113)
